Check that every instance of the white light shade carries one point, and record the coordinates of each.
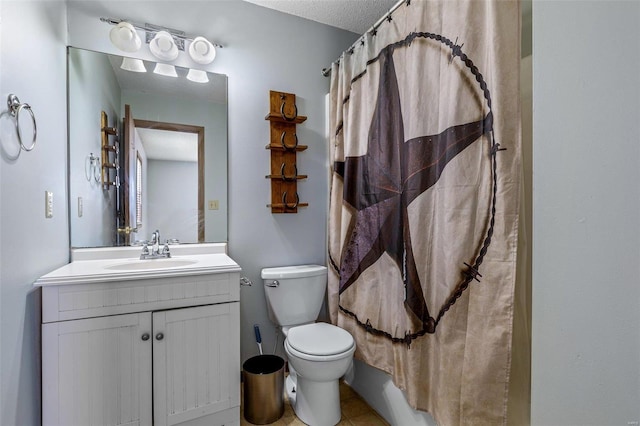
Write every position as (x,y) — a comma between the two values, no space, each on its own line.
(202,51)
(165,69)
(197,76)
(134,65)
(124,37)
(163,47)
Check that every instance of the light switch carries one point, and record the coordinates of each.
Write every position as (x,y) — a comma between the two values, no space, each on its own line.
(48,204)
(213,205)
(79,206)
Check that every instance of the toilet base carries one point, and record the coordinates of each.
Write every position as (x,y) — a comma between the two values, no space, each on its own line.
(315,403)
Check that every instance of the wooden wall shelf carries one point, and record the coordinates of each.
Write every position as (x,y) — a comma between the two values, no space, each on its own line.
(277,116)
(285,178)
(281,148)
(109,162)
(284,146)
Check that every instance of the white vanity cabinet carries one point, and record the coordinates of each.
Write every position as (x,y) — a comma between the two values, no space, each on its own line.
(154,351)
(97,371)
(196,371)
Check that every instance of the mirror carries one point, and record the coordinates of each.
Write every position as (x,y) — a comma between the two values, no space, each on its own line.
(171,164)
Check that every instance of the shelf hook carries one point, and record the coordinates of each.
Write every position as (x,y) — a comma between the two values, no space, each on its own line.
(284,145)
(295,114)
(284,201)
(289,179)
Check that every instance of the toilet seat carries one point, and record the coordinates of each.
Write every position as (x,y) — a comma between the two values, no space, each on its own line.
(319,342)
(317,358)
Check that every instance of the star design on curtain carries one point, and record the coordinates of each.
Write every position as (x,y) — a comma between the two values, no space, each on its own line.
(381,184)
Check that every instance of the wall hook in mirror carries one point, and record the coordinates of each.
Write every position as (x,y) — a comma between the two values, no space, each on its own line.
(284,145)
(15,107)
(92,167)
(295,108)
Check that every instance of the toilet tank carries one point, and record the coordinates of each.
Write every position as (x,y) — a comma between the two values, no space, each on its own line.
(294,293)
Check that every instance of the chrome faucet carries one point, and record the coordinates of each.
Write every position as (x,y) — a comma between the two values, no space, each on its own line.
(155,252)
(155,242)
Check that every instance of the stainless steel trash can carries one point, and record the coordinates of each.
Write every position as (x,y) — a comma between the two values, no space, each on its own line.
(263,381)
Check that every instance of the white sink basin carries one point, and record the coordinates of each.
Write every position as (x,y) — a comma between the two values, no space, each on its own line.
(142,265)
(117,264)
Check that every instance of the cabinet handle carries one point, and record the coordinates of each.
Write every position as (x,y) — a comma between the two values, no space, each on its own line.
(159,336)
(145,337)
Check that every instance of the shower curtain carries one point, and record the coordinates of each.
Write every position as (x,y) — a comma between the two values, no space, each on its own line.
(423,222)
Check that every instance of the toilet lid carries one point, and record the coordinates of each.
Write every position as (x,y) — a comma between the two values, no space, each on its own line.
(320,339)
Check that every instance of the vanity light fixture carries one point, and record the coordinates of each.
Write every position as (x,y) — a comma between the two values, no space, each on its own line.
(125,37)
(165,69)
(133,65)
(163,46)
(202,51)
(197,76)
(164,43)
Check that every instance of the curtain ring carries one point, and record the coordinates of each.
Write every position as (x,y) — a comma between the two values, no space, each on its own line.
(14,108)
(295,114)
(284,145)
(289,179)
(284,201)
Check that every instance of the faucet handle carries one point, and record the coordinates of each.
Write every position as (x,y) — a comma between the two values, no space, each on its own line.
(145,249)
(165,250)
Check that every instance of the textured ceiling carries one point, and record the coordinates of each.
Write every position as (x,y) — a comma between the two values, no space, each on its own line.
(352,15)
(359,15)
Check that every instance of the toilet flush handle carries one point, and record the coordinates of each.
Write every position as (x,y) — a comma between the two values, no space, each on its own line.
(274,283)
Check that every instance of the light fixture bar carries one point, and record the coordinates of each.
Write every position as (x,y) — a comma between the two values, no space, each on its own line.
(151,30)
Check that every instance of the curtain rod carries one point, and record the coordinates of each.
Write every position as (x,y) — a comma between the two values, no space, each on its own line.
(327,71)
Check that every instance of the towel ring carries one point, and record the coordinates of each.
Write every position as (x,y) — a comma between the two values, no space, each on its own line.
(284,145)
(14,109)
(284,201)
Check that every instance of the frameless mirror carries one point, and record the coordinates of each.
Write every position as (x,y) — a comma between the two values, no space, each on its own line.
(146,151)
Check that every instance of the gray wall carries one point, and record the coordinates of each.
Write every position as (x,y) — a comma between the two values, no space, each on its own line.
(172,206)
(586,198)
(33,59)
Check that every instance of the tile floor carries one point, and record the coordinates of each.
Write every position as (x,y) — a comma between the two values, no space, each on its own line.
(355,412)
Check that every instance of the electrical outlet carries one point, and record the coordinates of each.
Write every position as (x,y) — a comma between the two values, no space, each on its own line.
(213,205)
(48,204)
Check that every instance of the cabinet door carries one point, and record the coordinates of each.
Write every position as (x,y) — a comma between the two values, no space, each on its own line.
(196,363)
(97,371)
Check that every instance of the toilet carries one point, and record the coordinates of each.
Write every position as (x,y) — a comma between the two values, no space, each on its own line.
(319,354)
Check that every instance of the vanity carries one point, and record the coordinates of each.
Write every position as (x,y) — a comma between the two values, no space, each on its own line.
(142,342)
